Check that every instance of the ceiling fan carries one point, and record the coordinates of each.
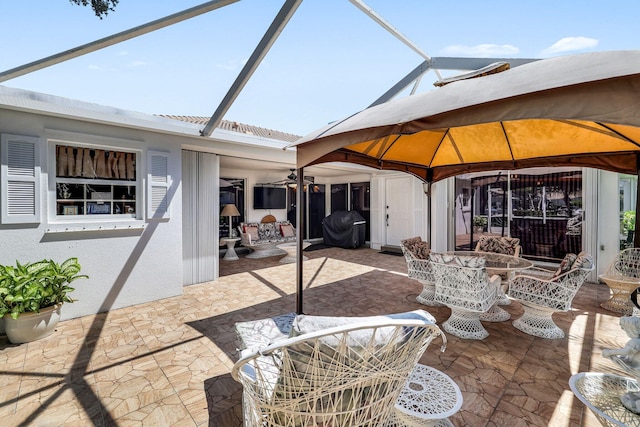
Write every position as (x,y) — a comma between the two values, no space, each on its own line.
(292,178)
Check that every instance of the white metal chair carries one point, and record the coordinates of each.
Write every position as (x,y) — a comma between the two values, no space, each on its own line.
(349,375)
(463,285)
(416,253)
(542,294)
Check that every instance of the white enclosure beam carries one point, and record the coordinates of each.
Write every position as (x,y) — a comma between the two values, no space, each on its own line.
(113,39)
(445,63)
(274,30)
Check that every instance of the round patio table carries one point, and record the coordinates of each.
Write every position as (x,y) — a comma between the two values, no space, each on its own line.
(601,393)
(504,266)
(427,399)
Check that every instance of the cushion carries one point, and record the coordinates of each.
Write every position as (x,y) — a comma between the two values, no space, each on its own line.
(287,230)
(463,261)
(470,261)
(254,334)
(441,258)
(416,247)
(252,231)
(565,264)
(498,245)
(583,260)
(304,324)
(268,231)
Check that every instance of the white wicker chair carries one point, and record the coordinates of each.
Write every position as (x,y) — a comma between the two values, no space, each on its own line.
(542,294)
(500,245)
(416,253)
(622,277)
(348,375)
(467,291)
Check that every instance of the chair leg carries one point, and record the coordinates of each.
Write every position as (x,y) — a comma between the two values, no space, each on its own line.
(537,321)
(465,324)
(428,294)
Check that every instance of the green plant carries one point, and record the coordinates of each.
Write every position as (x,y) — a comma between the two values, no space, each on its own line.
(30,287)
(629,221)
(479,221)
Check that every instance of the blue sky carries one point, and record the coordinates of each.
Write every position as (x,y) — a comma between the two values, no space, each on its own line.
(329,62)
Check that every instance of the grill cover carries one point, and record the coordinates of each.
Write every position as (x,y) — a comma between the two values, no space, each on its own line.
(345,229)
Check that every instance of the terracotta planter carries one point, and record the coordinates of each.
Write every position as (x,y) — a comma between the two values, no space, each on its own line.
(32,326)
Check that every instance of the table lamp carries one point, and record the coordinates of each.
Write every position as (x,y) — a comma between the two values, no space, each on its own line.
(230,210)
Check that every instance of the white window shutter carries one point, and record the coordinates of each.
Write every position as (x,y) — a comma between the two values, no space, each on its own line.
(20,176)
(158,182)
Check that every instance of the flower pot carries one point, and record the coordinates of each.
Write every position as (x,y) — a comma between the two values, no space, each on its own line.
(477,229)
(32,326)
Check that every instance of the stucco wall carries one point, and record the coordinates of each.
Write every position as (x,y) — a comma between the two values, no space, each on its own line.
(126,266)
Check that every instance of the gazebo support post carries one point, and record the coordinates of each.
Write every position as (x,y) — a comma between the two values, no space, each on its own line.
(636,235)
(299,237)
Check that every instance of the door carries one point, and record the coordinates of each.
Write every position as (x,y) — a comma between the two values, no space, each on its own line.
(398,210)
(200,209)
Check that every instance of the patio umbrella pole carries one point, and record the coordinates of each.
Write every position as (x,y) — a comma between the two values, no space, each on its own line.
(299,235)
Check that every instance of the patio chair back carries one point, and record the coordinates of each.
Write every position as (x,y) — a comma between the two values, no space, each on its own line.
(348,375)
(556,293)
(542,294)
(626,263)
(463,282)
(416,253)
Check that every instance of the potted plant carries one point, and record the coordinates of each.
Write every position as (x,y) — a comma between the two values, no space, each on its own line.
(31,296)
(479,224)
(629,225)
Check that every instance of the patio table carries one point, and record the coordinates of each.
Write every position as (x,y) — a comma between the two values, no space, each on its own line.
(601,393)
(504,266)
(621,289)
(427,399)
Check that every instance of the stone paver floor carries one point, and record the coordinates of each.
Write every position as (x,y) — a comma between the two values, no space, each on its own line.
(168,363)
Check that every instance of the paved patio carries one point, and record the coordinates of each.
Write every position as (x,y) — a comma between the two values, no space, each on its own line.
(168,362)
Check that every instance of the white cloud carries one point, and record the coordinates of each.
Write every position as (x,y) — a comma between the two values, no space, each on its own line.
(123,53)
(481,50)
(93,67)
(136,64)
(570,44)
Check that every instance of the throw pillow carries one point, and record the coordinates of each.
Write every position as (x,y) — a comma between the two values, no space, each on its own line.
(252,232)
(267,231)
(565,265)
(583,260)
(287,230)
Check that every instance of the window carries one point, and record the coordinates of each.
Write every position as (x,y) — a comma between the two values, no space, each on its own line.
(92,181)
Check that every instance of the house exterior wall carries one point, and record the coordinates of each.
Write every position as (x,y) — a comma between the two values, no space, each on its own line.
(128,261)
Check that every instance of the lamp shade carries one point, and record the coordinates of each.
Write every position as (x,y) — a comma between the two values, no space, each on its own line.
(230,210)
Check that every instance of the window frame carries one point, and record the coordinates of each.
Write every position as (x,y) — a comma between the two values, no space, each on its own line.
(95,221)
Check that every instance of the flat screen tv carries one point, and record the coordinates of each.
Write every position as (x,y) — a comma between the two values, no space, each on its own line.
(269,198)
